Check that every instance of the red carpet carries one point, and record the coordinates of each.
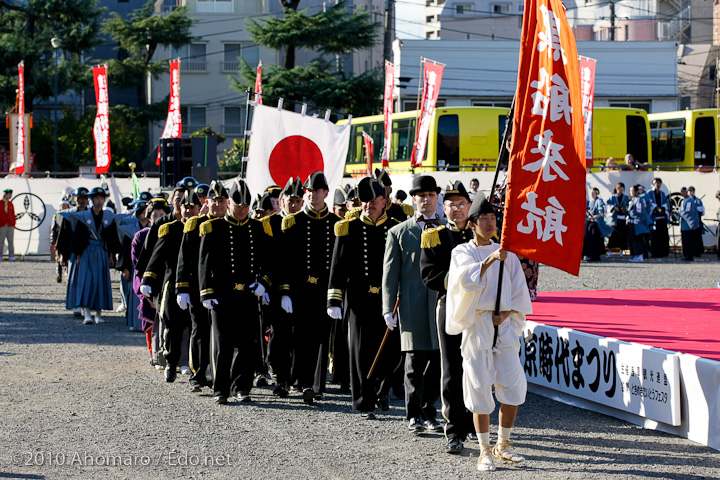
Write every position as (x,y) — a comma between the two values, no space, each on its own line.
(685,321)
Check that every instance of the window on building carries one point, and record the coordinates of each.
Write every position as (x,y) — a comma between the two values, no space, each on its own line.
(249,51)
(638,105)
(501,8)
(463,9)
(193,118)
(214,6)
(234,121)
(192,57)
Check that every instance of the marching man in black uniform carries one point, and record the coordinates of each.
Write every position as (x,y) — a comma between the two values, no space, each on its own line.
(233,271)
(398,211)
(309,238)
(356,276)
(437,245)
(188,288)
(163,265)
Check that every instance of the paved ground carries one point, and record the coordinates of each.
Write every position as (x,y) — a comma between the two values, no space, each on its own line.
(83,402)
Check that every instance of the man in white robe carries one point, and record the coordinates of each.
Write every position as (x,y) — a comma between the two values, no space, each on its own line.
(488,360)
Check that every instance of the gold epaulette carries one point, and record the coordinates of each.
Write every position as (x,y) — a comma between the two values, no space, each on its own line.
(266,225)
(342,228)
(353,213)
(206,227)
(165,229)
(407,209)
(191,224)
(431,237)
(288,221)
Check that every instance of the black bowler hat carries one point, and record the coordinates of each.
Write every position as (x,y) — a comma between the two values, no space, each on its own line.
(316,181)
(202,189)
(369,189)
(382,176)
(456,188)
(293,188)
(217,190)
(424,183)
(339,197)
(190,198)
(480,206)
(239,192)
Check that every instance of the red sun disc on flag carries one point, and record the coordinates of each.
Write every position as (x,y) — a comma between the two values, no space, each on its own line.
(295,156)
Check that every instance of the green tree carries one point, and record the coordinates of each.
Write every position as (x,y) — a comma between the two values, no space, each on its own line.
(25,32)
(333,31)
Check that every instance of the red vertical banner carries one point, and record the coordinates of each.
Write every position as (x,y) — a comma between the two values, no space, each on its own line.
(587,82)
(388,111)
(19,164)
(173,124)
(545,201)
(101,128)
(369,151)
(258,84)
(432,78)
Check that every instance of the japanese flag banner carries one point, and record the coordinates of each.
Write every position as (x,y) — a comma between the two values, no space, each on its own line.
(173,124)
(286,144)
(258,84)
(387,112)
(432,78)
(101,128)
(545,199)
(369,151)
(587,82)
(19,164)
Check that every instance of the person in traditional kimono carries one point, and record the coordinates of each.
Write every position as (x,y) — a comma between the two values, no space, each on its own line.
(595,228)
(660,208)
(94,242)
(618,204)
(490,343)
(699,246)
(62,243)
(690,227)
(638,224)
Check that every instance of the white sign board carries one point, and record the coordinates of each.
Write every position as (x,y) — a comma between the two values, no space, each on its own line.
(631,377)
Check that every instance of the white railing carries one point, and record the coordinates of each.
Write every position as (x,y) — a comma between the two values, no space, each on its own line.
(671,29)
(230,66)
(191,66)
(233,130)
(216,6)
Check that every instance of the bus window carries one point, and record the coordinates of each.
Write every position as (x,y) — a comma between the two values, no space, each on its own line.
(704,152)
(403,138)
(637,137)
(668,140)
(448,141)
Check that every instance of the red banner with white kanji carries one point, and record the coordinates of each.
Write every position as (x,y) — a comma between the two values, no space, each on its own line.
(19,164)
(101,128)
(432,78)
(545,200)
(587,82)
(173,124)
(258,84)
(387,111)
(369,151)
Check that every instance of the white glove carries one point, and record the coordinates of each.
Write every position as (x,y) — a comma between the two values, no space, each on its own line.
(209,303)
(286,304)
(183,300)
(334,312)
(390,320)
(257,289)
(146,290)
(266,299)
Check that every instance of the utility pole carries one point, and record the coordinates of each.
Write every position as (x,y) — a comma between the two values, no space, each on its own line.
(389,29)
(612,21)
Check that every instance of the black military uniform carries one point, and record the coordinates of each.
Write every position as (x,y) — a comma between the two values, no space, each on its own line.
(356,277)
(280,344)
(233,257)
(437,245)
(152,237)
(186,282)
(309,238)
(160,275)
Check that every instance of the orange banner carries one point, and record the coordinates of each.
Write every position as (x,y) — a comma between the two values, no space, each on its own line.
(369,151)
(19,166)
(258,84)
(545,199)
(101,128)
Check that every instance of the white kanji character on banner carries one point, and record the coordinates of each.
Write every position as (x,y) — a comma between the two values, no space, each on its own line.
(550,38)
(550,158)
(552,217)
(534,217)
(554,93)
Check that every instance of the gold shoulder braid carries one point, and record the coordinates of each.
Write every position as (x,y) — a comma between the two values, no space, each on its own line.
(342,228)
(288,221)
(191,224)
(165,229)
(267,227)
(206,227)
(407,209)
(353,213)
(431,237)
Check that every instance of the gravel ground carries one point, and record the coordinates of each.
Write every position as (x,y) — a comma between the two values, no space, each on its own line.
(83,402)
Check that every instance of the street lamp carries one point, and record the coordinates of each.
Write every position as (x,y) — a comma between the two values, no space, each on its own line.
(55,42)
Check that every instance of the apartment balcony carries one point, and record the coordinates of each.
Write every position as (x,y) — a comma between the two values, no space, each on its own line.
(230,67)
(168,6)
(189,129)
(675,28)
(233,130)
(193,67)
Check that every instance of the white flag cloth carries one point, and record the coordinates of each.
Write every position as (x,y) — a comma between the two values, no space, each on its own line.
(286,144)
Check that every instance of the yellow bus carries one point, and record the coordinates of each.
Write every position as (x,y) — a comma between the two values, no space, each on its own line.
(684,138)
(468,138)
